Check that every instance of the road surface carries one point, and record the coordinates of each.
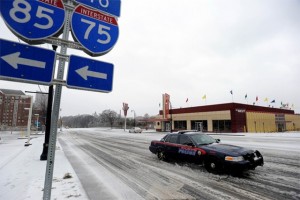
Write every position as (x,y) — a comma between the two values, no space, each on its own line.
(113,164)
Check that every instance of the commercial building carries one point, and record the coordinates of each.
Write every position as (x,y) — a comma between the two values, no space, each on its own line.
(228,117)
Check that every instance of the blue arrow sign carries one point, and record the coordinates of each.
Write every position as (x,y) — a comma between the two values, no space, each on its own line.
(94,30)
(112,7)
(33,20)
(25,63)
(88,74)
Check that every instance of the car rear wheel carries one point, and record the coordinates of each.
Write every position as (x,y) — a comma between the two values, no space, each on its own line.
(161,155)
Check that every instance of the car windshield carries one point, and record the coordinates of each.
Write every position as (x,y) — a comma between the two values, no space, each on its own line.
(202,139)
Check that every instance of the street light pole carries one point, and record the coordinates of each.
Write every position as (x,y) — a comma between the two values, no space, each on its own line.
(133,117)
(171,115)
(29,121)
(48,119)
(48,124)
(37,121)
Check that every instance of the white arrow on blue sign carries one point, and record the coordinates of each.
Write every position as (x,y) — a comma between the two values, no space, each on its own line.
(112,7)
(94,30)
(33,20)
(88,74)
(25,63)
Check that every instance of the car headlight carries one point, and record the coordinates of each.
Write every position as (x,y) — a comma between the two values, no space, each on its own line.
(234,159)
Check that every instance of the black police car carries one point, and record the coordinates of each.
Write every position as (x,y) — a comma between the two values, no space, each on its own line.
(203,149)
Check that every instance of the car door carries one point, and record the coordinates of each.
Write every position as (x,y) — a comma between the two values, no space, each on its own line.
(172,146)
(186,150)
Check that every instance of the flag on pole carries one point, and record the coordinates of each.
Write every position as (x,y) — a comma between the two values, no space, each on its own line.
(231,92)
(273,101)
(266,100)
(187,99)
(204,97)
(256,98)
(246,96)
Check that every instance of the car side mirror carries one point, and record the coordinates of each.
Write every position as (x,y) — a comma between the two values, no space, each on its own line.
(190,144)
(218,140)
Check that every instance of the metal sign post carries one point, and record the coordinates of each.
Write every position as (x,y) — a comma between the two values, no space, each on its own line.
(56,107)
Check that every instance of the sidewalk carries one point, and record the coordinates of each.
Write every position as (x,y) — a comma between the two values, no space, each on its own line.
(23,174)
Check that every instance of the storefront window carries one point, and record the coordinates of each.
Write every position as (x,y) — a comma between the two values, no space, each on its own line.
(221,125)
(180,125)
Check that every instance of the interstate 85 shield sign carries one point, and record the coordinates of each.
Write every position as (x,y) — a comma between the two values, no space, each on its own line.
(33,20)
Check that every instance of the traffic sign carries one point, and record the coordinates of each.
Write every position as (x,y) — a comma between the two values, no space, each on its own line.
(94,30)
(35,20)
(112,7)
(25,63)
(88,74)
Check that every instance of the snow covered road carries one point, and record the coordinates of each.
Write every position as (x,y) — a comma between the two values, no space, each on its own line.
(113,164)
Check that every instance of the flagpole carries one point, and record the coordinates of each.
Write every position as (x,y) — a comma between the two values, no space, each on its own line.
(231,95)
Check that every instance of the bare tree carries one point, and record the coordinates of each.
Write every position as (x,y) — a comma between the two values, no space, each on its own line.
(40,106)
(109,116)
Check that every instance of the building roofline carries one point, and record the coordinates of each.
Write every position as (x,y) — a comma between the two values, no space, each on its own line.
(229,106)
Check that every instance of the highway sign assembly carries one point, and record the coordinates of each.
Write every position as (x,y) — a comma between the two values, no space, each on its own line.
(88,74)
(25,63)
(94,30)
(94,26)
(112,7)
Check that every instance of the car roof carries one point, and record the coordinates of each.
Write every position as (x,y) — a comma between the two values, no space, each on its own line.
(189,132)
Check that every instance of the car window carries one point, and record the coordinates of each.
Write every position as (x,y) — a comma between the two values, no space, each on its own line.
(172,138)
(202,139)
(165,139)
(185,140)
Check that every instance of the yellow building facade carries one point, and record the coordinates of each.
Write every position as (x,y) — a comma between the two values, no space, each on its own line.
(231,117)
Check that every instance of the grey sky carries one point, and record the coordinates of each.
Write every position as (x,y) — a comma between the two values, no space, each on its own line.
(193,48)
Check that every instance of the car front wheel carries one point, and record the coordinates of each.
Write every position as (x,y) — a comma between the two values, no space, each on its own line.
(212,165)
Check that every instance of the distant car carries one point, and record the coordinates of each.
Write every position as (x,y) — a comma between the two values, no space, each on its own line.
(135,130)
(203,149)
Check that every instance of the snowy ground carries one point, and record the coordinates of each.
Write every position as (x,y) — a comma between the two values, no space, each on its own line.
(113,164)
(22,174)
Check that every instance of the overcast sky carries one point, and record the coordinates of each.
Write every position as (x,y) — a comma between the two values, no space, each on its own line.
(193,48)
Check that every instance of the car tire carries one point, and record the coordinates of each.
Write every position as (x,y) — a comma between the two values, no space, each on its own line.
(161,155)
(212,166)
